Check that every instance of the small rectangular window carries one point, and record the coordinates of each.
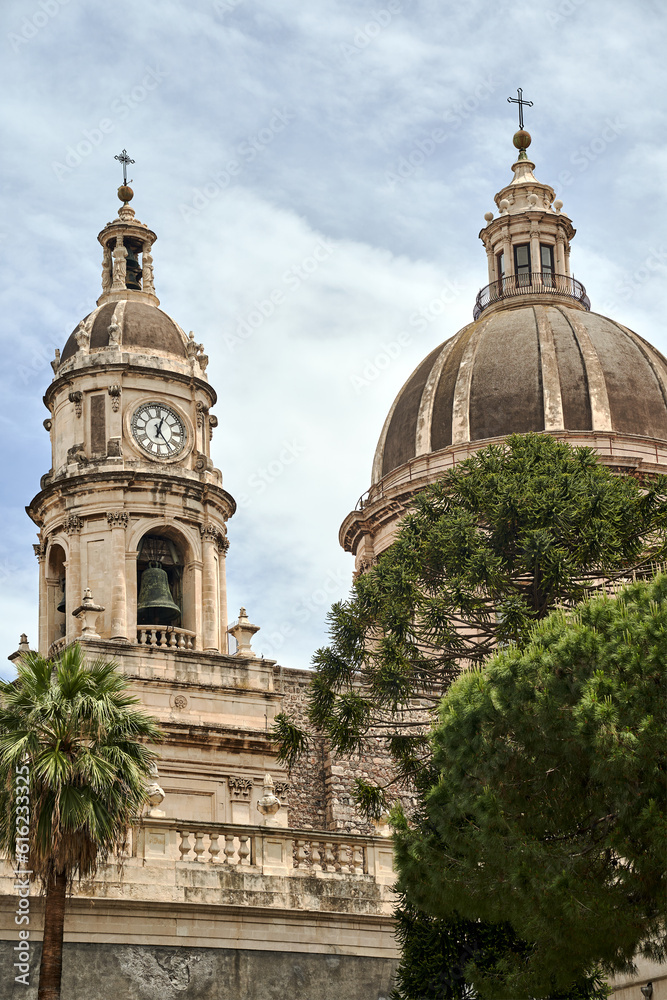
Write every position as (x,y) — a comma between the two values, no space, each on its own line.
(500,266)
(522,263)
(547,257)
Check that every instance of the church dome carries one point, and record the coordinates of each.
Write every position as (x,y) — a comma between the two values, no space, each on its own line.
(534,359)
(527,368)
(132,325)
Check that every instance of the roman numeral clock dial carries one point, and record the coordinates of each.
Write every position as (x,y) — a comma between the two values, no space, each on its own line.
(158,430)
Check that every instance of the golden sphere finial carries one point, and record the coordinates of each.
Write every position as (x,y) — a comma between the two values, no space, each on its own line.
(522,139)
(125,193)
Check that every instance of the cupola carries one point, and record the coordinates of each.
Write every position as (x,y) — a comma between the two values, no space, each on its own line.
(534,359)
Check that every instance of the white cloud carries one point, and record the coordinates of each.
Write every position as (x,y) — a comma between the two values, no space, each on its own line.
(219,77)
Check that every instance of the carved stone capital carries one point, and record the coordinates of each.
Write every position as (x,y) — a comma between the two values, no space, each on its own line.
(239,787)
(118,518)
(39,548)
(73,524)
(223,544)
(209,532)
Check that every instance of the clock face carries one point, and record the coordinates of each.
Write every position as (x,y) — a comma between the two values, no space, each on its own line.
(158,430)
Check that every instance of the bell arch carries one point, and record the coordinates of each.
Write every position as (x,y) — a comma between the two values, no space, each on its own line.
(164,584)
(54,596)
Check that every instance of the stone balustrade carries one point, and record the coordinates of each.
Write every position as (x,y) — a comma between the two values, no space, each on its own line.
(264,849)
(165,635)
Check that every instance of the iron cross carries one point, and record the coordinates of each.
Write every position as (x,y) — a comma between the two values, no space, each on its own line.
(125,159)
(511,100)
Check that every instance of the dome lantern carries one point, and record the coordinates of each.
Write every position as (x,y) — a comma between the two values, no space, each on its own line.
(127,263)
(528,244)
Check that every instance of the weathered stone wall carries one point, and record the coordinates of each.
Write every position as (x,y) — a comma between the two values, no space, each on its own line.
(306,799)
(144,972)
(321,785)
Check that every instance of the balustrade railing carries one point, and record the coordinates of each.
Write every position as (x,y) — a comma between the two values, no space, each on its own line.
(328,855)
(165,635)
(537,283)
(331,853)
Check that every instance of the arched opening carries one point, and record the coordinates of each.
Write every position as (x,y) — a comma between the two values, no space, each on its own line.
(56,586)
(159,581)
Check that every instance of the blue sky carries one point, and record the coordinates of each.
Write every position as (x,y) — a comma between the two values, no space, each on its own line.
(317,175)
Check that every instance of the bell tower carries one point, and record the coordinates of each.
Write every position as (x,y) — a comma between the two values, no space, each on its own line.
(132,508)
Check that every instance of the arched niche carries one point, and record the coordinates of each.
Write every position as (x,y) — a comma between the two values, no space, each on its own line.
(174,552)
(56,582)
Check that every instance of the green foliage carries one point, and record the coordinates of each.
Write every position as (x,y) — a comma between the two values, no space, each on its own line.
(76,729)
(436,955)
(549,807)
(503,538)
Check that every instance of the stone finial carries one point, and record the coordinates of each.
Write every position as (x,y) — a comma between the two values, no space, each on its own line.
(24,647)
(155,794)
(87,613)
(55,364)
(243,632)
(269,804)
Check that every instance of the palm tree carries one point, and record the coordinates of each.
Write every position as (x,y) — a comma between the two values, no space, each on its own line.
(72,728)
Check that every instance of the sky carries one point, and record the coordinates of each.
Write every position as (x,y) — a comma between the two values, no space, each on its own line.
(317,174)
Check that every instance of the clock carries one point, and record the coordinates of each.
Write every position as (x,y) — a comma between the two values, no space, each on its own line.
(158,430)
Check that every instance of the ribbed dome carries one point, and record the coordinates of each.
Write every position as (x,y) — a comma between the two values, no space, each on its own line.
(141,327)
(522,369)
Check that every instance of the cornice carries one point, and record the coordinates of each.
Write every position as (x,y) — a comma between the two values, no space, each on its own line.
(126,367)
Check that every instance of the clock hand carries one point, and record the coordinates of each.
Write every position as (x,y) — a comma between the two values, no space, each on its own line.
(159,431)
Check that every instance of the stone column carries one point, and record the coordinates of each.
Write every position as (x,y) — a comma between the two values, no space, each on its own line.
(491,261)
(44,595)
(509,256)
(118,522)
(536,260)
(567,258)
(147,269)
(223,546)
(560,255)
(210,610)
(73,525)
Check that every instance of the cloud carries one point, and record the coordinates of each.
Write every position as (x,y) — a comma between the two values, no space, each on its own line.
(350,116)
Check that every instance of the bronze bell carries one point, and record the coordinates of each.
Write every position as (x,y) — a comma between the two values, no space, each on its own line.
(132,270)
(62,607)
(156,606)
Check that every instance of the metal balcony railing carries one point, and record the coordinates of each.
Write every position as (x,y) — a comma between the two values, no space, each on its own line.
(537,283)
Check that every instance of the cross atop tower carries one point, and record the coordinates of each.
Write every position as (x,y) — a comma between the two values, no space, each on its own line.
(124,159)
(511,100)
